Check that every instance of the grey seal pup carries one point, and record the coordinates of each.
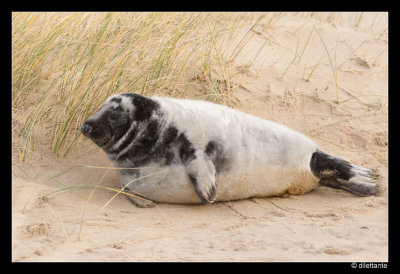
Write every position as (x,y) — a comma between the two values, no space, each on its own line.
(188,151)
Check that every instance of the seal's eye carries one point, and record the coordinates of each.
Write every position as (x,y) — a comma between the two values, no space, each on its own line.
(114,115)
(116,118)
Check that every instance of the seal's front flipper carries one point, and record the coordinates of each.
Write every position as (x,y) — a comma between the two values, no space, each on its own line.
(339,173)
(202,174)
(141,202)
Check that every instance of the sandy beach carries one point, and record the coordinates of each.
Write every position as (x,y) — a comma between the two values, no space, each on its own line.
(324,225)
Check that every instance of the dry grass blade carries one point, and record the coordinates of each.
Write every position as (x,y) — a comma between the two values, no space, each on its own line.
(72,188)
(122,190)
(97,186)
(312,71)
(330,61)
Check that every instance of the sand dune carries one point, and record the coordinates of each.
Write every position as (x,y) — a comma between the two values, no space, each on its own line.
(323,225)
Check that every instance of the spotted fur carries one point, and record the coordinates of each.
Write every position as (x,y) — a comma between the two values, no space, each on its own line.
(187,151)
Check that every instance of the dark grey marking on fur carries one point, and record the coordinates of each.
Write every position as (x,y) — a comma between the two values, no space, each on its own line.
(145,143)
(164,151)
(117,100)
(169,136)
(325,166)
(220,159)
(338,173)
(186,150)
(145,107)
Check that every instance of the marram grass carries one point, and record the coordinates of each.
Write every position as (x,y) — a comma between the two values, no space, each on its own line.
(64,65)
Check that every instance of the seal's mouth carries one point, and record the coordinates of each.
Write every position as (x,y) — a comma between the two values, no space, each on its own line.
(104,143)
(101,142)
(106,138)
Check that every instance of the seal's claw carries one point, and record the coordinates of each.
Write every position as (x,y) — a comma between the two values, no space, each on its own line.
(142,203)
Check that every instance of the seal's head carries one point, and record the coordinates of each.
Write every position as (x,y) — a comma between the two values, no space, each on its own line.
(116,116)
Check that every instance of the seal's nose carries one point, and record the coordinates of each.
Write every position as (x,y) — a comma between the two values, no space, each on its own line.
(86,129)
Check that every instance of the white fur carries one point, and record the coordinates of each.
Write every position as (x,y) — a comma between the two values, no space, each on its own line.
(266,158)
(138,135)
(122,139)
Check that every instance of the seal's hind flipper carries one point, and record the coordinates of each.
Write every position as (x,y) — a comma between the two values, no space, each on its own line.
(339,173)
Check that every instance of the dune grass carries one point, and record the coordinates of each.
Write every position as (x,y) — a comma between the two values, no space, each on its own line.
(65,64)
